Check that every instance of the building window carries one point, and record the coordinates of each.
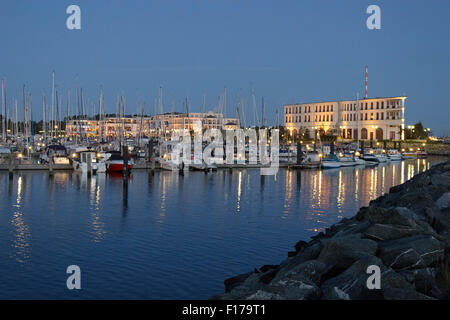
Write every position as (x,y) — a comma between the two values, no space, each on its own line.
(365,117)
(378,105)
(377,116)
(382,115)
(382,104)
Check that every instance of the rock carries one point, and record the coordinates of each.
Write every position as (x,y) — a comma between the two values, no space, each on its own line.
(442,180)
(404,294)
(353,281)
(438,219)
(268,276)
(380,232)
(250,285)
(444,201)
(334,293)
(395,216)
(230,283)
(406,233)
(264,295)
(293,289)
(424,283)
(300,245)
(341,252)
(309,271)
(411,252)
(268,267)
(416,201)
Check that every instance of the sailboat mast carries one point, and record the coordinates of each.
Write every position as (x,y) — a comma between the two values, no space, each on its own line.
(44,125)
(3,110)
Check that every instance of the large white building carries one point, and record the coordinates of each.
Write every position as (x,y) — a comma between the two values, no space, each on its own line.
(160,124)
(366,119)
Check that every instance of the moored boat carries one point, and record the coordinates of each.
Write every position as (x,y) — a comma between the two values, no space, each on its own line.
(80,162)
(115,162)
(330,162)
(394,155)
(312,160)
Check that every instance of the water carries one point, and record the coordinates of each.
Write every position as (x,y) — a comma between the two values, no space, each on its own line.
(168,236)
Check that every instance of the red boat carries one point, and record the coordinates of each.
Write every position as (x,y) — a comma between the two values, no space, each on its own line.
(115,163)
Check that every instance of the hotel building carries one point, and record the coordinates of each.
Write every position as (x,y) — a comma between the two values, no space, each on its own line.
(366,119)
(160,124)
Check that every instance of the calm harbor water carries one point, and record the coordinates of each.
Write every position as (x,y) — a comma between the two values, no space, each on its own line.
(167,236)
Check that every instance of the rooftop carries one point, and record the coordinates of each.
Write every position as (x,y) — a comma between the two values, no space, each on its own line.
(363,99)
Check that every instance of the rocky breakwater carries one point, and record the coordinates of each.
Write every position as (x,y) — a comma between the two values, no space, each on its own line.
(406,233)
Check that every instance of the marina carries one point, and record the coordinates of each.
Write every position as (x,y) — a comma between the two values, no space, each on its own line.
(121,232)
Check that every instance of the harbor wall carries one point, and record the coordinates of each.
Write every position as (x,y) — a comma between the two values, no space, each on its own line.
(405,234)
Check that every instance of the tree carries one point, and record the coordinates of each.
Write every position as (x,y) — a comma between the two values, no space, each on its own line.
(417,132)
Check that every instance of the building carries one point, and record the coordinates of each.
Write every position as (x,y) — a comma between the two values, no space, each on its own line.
(113,127)
(366,119)
(191,121)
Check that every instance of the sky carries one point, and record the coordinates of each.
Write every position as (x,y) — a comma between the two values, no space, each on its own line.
(289,51)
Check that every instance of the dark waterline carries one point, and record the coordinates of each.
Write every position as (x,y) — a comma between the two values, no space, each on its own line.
(166,236)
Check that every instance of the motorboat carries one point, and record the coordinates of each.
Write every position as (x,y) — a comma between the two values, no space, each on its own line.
(347,160)
(202,167)
(381,157)
(421,154)
(312,160)
(409,154)
(370,158)
(80,162)
(115,162)
(56,152)
(331,161)
(394,155)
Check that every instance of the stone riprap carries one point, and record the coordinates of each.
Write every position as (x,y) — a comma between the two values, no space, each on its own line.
(406,233)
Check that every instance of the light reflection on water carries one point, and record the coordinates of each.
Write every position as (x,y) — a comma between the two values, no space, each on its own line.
(166,236)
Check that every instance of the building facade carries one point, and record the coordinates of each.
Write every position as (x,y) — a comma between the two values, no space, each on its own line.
(365,119)
(191,121)
(157,125)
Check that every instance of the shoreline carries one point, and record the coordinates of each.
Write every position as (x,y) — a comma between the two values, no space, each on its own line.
(406,233)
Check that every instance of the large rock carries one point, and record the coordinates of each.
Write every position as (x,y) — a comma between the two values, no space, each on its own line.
(394,216)
(310,271)
(341,252)
(291,289)
(353,281)
(416,200)
(444,201)
(403,294)
(380,232)
(411,252)
(233,282)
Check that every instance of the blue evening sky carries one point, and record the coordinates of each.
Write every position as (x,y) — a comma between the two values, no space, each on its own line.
(290,51)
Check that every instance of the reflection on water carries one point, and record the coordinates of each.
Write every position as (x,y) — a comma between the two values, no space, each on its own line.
(162,235)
